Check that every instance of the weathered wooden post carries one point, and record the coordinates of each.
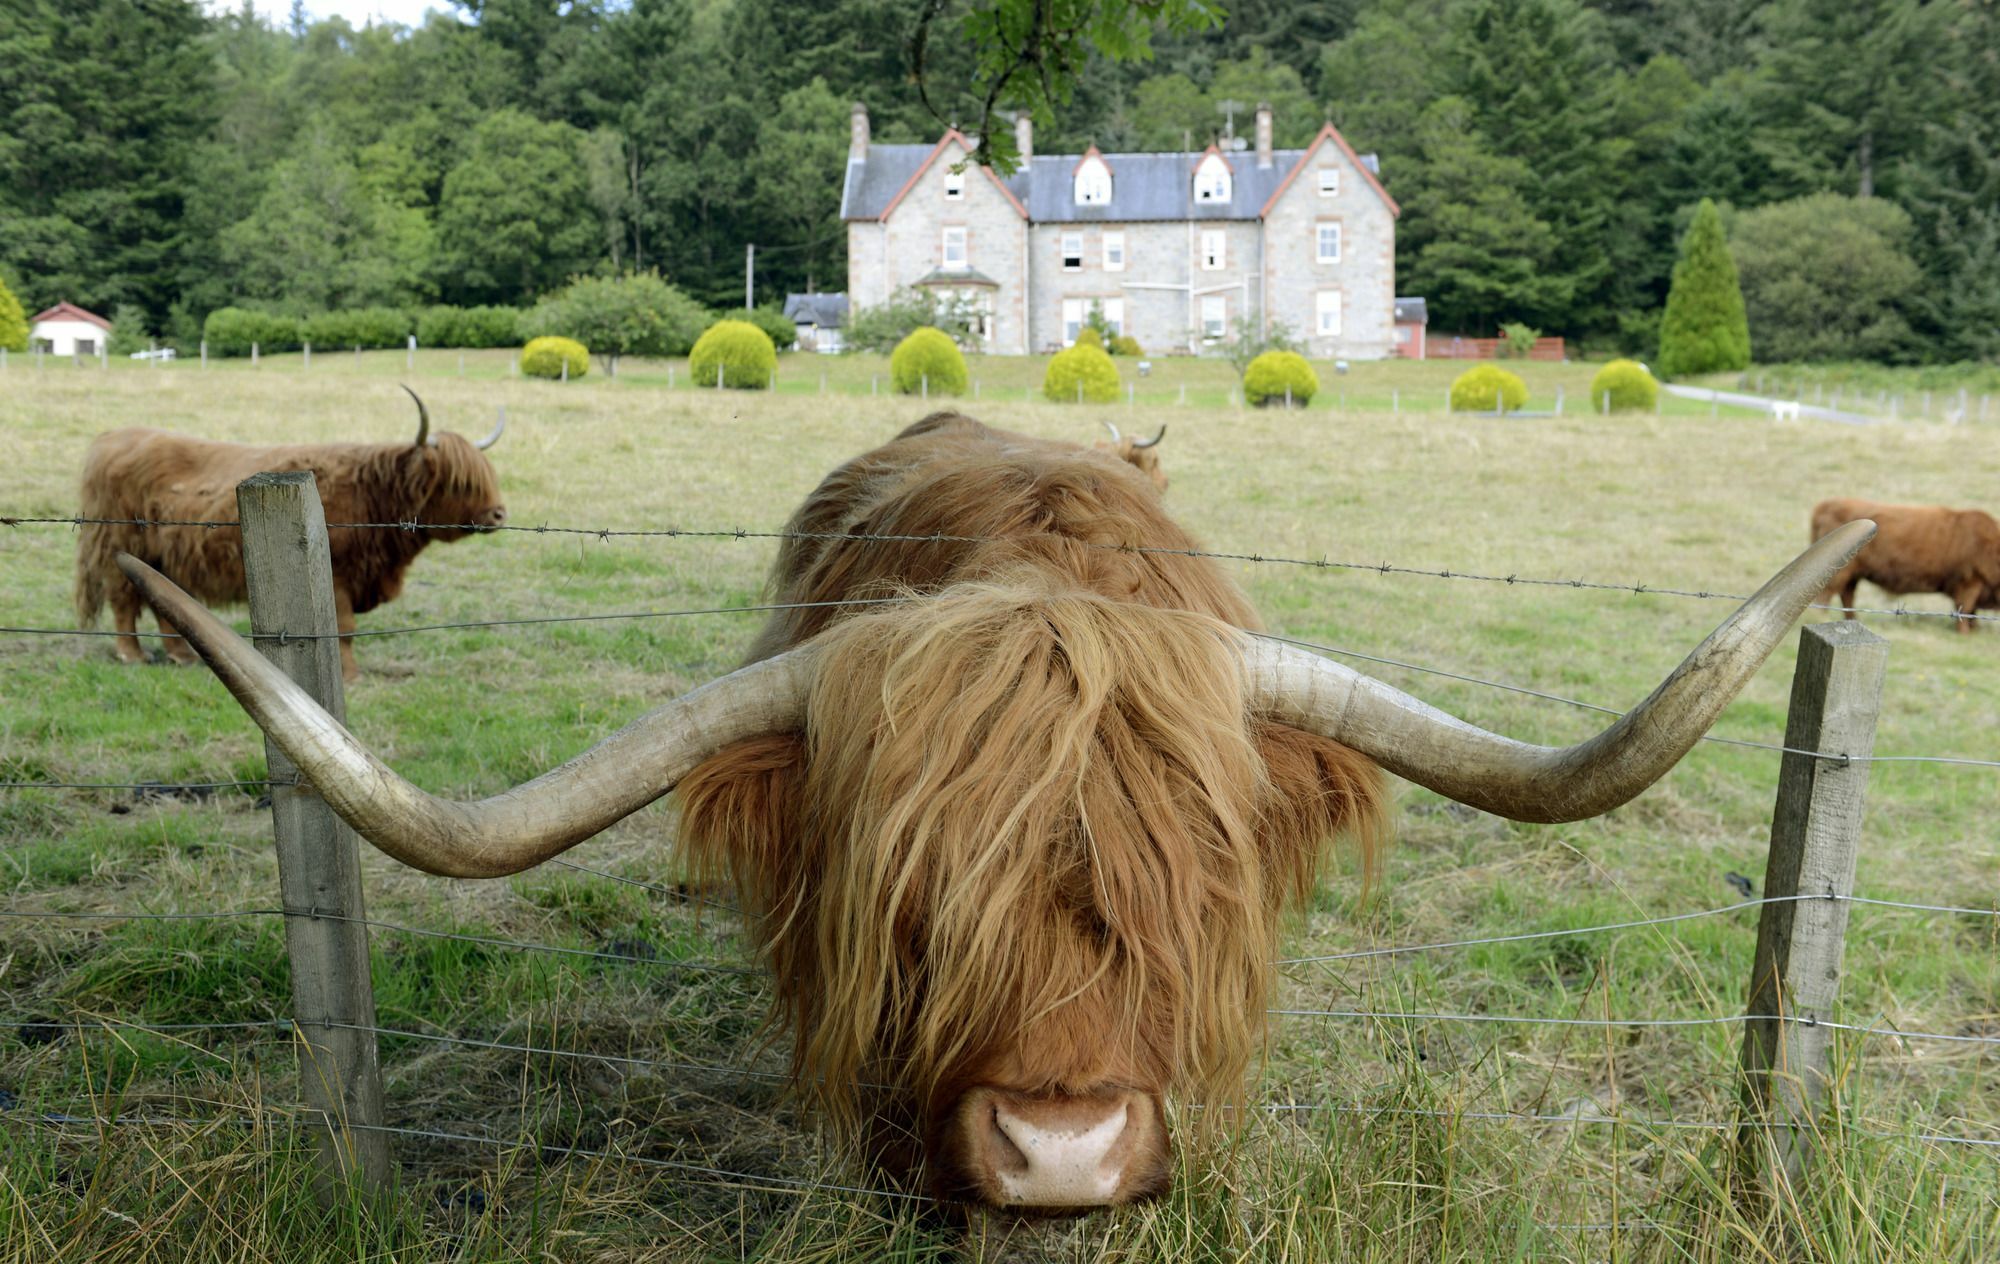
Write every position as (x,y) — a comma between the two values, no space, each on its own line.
(292,621)
(1815,837)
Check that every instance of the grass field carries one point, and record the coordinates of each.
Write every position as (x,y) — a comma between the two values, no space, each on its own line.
(1403,1160)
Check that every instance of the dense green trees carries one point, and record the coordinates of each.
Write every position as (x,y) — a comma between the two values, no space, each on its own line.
(1704,329)
(1829,277)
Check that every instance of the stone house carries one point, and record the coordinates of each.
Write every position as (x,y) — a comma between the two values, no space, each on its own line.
(1172,248)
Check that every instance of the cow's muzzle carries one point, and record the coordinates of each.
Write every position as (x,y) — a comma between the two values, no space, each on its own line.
(1056,1152)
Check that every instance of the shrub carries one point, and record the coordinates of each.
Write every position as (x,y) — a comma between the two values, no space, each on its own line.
(128,331)
(13,321)
(1630,386)
(545,357)
(231,331)
(1270,375)
(1477,388)
(358,327)
(1082,366)
(928,360)
(1831,277)
(1125,345)
(1252,340)
(881,327)
(1704,329)
(1088,337)
(618,316)
(474,327)
(772,320)
(1518,340)
(740,351)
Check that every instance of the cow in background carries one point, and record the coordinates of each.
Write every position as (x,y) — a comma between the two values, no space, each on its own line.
(1138,453)
(442,482)
(1919,548)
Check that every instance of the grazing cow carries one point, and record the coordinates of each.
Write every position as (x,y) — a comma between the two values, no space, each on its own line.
(1022,842)
(1919,548)
(1137,452)
(152,475)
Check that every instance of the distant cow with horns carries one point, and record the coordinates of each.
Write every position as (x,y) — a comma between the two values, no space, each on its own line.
(135,478)
(1022,842)
(1919,548)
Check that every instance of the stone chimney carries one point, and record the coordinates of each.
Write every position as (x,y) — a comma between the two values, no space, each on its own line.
(1024,136)
(857,133)
(1263,133)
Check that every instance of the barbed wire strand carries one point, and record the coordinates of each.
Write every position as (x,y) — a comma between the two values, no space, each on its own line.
(739,533)
(1712,1020)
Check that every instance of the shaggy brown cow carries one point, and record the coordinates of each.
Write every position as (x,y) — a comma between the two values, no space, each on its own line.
(153,475)
(1919,548)
(1137,452)
(1021,843)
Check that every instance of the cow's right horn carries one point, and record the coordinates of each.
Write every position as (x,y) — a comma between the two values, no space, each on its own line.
(513,830)
(423,418)
(498,426)
(1115,436)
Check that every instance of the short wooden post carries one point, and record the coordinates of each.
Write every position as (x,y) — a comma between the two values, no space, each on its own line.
(926,383)
(292,621)
(309,355)
(1815,837)
(410,354)
(253,355)
(204,353)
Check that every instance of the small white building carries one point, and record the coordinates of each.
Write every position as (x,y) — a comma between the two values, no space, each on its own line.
(68,330)
(819,318)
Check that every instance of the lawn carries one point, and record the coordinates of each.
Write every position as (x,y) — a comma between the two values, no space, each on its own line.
(1436,1138)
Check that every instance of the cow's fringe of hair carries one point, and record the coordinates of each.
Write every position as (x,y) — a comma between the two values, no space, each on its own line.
(1031,818)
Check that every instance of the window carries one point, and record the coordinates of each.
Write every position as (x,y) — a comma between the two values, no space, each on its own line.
(1211,180)
(1214,251)
(1214,315)
(86,347)
(954,249)
(1074,311)
(1114,314)
(978,305)
(1329,181)
(1093,182)
(1072,252)
(1329,241)
(1114,252)
(1327,311)
(954,185)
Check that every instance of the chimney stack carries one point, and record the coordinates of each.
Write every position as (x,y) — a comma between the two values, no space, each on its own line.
(1024,135)
(1263,133)
(857,135)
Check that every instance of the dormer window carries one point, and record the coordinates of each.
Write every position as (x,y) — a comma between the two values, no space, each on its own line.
(1093,181)
(954,186)
(1211,180)
(1329,181)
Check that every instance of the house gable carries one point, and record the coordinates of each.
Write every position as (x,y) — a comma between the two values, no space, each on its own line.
(952,137)
(1326,134)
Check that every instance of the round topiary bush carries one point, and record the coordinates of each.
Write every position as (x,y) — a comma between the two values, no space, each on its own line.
(1630,386)
(1125,345)
(737,353)
(1478,389)
(1084,371)
(545,357)
(1268,377)
(1088,337)
(928,361)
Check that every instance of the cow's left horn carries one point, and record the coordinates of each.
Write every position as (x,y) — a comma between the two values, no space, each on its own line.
(1115,436)
(1147,443)
(498,426)
(1545,783)
(423,418)
(519,828)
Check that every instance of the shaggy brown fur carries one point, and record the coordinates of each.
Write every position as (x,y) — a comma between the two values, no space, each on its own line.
(153,474)
(1919,548)
(1032,839)
(1146,460)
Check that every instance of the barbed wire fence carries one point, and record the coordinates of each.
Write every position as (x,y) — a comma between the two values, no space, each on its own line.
(1794,1118)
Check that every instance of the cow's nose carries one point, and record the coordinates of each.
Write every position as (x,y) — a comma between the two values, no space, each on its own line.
(495,516)
(1034,1151)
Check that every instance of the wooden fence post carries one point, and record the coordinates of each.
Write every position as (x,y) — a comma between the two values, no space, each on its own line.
(1815,837)
(290,578)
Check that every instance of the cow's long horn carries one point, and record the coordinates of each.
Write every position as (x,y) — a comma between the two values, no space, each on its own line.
(1115,436)
(498,426)
(519,828)
(1546,783)
(423,418)
(1147,443)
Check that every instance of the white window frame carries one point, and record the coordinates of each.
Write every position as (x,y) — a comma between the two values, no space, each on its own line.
(1329,181)
(1327,313)
(1327,229)
(1113,310)
(955,233)
(1092,186)
(1214,250)
(1074,312)
(954,186)
(1212,181)
(1114,252)
(1214,316)
(1072,249)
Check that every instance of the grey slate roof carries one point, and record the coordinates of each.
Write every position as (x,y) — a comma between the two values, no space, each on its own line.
(1143,186)
(1412,311)
(824,311)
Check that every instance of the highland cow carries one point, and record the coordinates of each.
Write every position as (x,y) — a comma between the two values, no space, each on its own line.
(1919,548)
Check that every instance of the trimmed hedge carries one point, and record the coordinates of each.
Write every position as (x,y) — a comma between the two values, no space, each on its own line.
(231,331)
(544,357)
(1084,365)
(1631,387)
(358,327)
(1478,387)
(928,361)
(1125,345)
(1088,337)
(470,327)
(1268,377)
(740,351)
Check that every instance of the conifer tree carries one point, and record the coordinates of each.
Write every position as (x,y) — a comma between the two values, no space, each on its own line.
(13,321)
(1705,329)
